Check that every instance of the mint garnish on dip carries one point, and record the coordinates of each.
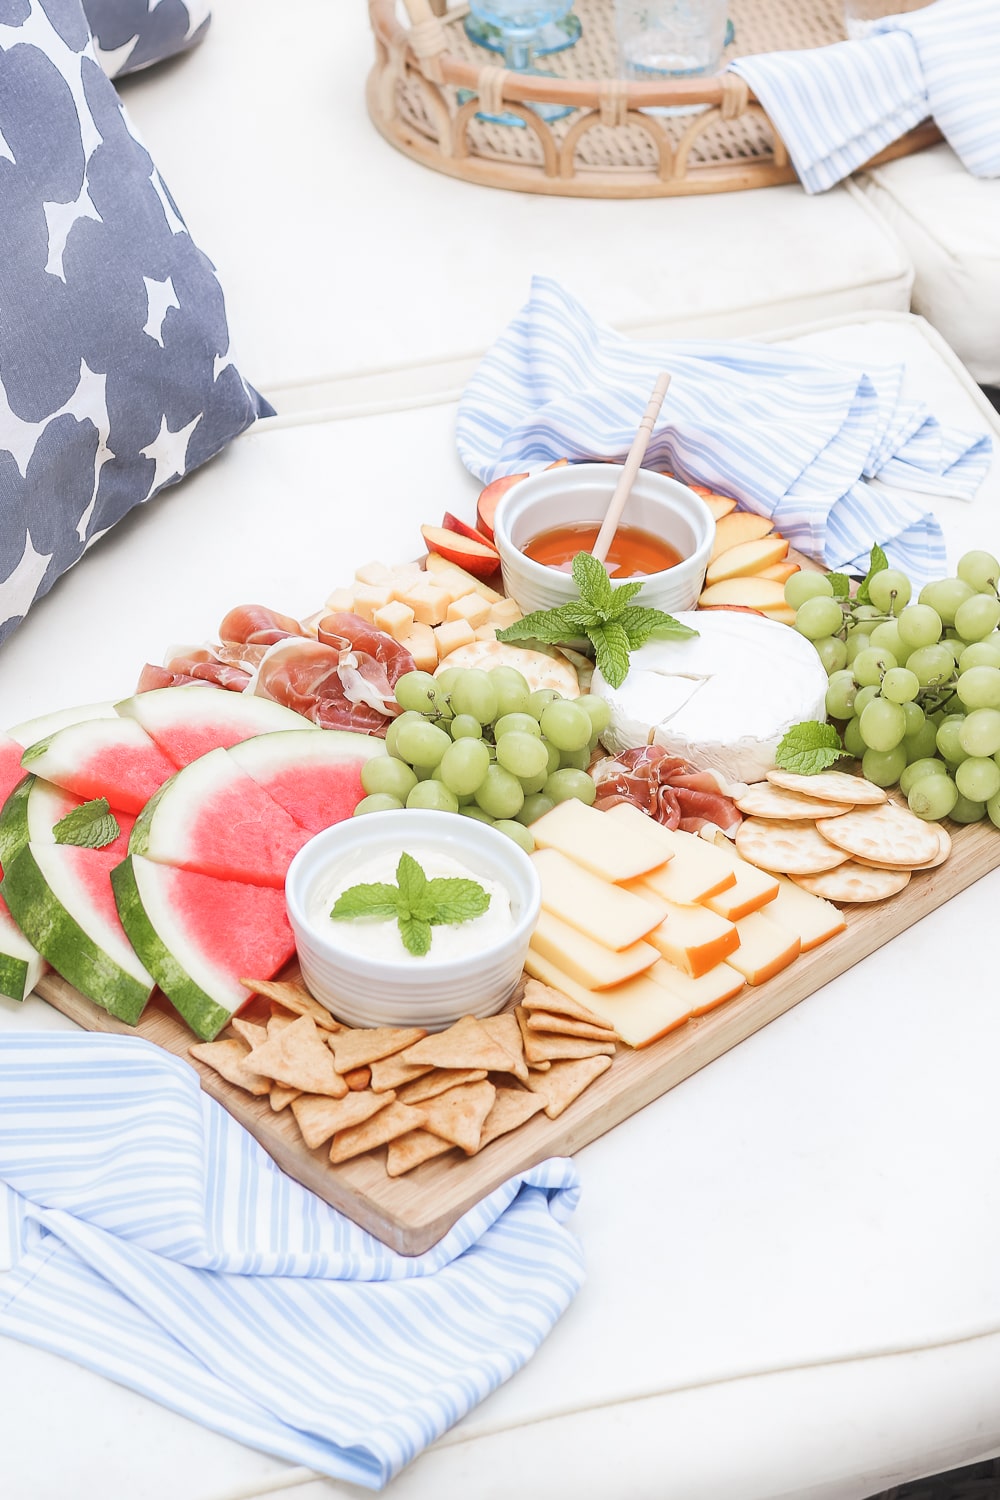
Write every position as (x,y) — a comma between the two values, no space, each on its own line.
(417,904)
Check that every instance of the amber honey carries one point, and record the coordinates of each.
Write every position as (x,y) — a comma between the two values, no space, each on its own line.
(632,554)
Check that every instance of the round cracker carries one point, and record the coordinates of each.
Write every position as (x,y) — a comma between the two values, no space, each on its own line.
(764,800)
(787,848)
(831,786)
(854,882)
(887,835)
(943,850)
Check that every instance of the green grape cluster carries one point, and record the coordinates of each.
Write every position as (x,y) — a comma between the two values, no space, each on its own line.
(915,683)
(483,744)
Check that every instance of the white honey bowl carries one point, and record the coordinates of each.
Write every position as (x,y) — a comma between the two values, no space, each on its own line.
(433,993)
(578,494)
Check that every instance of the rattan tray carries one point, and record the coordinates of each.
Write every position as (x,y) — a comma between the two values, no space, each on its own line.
(608,147)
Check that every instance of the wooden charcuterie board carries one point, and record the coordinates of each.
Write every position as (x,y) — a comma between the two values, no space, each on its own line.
(412,1213)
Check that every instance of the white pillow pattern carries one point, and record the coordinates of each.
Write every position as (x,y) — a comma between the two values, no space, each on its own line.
(115,375)
(131,34)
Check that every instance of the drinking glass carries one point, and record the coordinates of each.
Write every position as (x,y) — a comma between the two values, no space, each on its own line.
(518,25)
(859,14)
(662,39)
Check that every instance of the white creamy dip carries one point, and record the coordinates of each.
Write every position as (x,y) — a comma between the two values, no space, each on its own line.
(379,938)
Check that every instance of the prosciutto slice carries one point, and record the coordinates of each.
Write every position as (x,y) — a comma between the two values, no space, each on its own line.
(668,788)
(256,625)
(342,680)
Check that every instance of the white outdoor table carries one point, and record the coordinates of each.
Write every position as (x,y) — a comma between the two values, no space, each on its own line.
(793,1257)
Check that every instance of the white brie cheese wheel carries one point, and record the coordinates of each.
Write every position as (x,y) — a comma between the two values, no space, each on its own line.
(722,699)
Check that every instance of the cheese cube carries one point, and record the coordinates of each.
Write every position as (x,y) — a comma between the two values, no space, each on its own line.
(395,619)
(471,608)
(507,612)
(702,994)
(340,599)
(422,647)
(604,912)
(374,573)
(765,948)
(368,597)
(590,963)
(429,603)
(486,633)
(798,911)
(589,838)
(639,1010)
(754,888)
(694,938)
(459,580)
(454,633)
(697,871)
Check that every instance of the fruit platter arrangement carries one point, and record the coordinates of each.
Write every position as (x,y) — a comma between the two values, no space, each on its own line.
(650,833)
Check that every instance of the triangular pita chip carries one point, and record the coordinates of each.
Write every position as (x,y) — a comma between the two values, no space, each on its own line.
(538,996)
(408,1151)
(566,1081)
(437,1081)
(392,1072)
(277,1023)
(228,1057)
(281,1096)
(543,1020)
(299,1058)
(319,1118)
(250,1031)
(505,1030)
(294,997)
(466,1044)
(511,1108)
(396,1119)
(458,1114)
(356,1047)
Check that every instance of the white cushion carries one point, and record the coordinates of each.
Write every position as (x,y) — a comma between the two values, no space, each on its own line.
(343,258)
(949,222)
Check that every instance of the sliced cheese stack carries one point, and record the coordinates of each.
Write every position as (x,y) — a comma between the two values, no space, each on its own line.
(647,927)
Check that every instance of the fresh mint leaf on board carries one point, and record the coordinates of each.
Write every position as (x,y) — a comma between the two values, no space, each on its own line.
(841,585)
(418,904)
(809,748)
(91,826)
(605,615)
(877,563)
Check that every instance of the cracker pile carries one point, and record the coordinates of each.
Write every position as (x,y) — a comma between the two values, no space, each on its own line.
(420,1095)
(837,836)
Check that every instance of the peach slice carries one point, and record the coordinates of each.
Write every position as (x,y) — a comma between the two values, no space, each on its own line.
(719,505)
(461,528)
(763,594)
(782,571)
(746,558)
(489,499)
(739,526)
(477,558)
(457,580)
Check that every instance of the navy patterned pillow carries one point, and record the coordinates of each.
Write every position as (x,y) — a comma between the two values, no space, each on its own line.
(115,375)
(131,34)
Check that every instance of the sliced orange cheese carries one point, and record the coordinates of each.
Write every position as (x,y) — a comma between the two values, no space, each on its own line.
(765,948)
(694,938)
(703,994)
(810,917)
(607,913)
(615,851)
(588,962)
(753,889)
(694,871)
(640,1010)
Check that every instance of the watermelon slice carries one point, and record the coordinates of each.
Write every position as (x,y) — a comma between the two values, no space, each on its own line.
(190,720)
(61,899)
(314,774)
(33,730)
(32,810)
(200,936)
(214,819)
(21,966)
(113,758)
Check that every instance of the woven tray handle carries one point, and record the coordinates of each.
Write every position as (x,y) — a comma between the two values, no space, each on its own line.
(427,36)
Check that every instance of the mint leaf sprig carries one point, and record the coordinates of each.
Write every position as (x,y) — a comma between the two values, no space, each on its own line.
(604,614)
(809,748)
(92,825)
(418,904)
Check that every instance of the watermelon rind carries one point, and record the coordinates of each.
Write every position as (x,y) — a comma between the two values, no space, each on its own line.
(31,731)
(205,993)
(186,721)
(300,751)
(14,822)
(30,814)
(113,758)
(21,965)
(52,911)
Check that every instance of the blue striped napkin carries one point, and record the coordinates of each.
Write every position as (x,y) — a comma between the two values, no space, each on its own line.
(835,107)
(834,454)
(155,1242)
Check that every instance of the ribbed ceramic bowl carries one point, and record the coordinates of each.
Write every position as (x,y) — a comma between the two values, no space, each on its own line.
(579,494)
(366,991)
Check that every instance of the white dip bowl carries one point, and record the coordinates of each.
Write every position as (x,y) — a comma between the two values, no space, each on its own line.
(578,494)
(366,990)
